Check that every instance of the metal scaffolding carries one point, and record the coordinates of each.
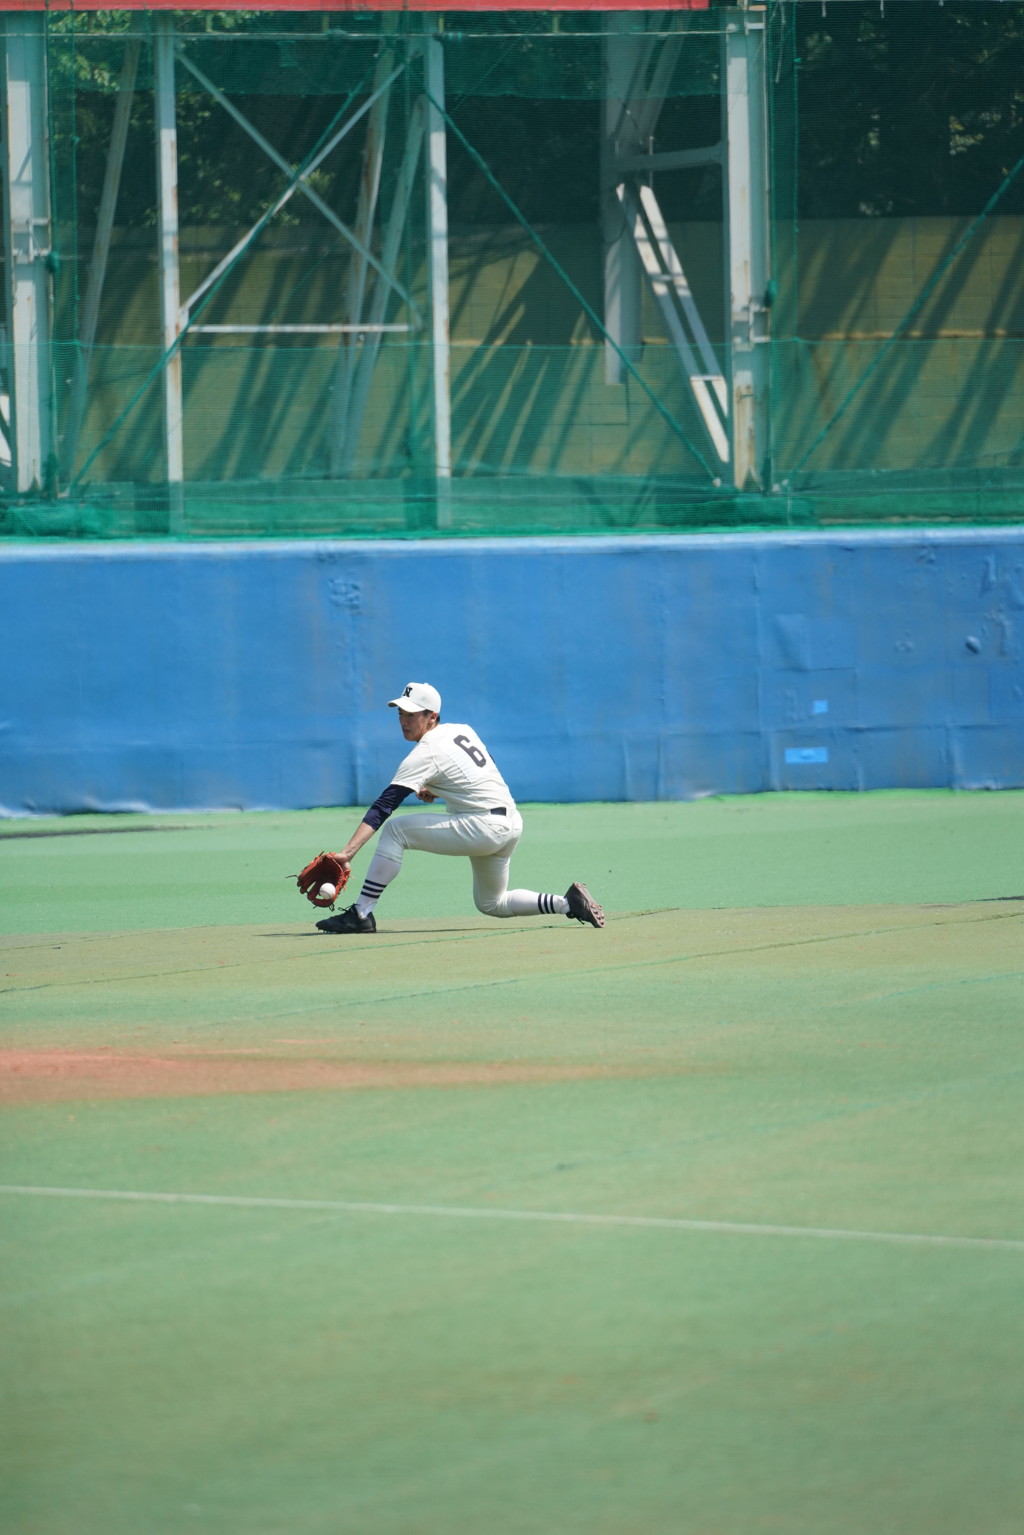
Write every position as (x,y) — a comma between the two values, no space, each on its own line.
(730,398)
(733,410)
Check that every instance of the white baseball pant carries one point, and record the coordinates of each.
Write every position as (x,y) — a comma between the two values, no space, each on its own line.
(488,841)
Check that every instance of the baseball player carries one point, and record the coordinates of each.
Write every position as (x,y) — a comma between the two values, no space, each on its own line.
(481,823)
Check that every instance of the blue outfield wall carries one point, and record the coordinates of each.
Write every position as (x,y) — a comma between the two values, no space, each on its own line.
(254,675)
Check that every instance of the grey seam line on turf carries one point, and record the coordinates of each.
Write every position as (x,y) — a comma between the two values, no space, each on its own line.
(552,1217)
(96,831)
(384,940)
(68,939)
(913,991)
(274,959)
(327,950)
(774,1127)
(364,1002)
(391,941)
(517,980)
(513,980)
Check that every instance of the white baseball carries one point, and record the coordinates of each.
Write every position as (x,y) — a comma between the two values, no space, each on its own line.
(328,892)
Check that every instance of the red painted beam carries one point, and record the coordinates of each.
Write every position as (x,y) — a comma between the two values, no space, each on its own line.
(359,6)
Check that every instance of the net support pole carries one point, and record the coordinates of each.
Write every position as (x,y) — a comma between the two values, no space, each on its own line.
(168,262)
(747,242)
(437,259)
(625,54)
(28,232)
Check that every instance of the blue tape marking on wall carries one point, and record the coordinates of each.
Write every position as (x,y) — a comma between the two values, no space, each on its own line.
(806,754)
(189,676)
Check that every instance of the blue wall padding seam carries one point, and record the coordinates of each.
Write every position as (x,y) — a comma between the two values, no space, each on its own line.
(203,676)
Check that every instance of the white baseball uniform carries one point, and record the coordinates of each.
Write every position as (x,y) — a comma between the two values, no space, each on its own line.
(481,822)
(453,763)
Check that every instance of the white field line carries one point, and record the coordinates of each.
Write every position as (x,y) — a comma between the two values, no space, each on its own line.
(556,1217)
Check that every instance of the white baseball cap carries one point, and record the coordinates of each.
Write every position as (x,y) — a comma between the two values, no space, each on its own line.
(417,696)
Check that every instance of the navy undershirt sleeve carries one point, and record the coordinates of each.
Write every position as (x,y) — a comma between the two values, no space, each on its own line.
(383,805)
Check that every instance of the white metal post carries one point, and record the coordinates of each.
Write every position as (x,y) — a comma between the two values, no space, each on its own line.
(625,53)
(437,262)
(28,230)
(169,273)
(748,241)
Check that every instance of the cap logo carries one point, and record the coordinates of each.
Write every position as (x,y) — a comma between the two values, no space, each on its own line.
(408,690)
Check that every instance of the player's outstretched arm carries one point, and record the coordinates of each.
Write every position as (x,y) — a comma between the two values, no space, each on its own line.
(374,818)
(358,839)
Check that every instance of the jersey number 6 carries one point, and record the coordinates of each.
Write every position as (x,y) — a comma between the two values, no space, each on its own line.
(471,750)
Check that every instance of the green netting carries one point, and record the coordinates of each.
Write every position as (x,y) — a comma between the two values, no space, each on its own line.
(897,373)
(516,54)
(898,216)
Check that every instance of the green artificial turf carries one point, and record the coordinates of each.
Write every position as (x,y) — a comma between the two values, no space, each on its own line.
(92,873)
(802,1017)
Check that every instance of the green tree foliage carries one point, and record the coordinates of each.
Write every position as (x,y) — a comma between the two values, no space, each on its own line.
(911,107)
(908,108)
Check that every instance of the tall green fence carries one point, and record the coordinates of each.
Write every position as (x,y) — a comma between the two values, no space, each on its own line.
(895,310)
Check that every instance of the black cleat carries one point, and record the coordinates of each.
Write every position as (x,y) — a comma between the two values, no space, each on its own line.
(582,906)
(348,921)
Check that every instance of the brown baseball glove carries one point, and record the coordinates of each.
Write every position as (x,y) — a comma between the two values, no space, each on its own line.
(324,869)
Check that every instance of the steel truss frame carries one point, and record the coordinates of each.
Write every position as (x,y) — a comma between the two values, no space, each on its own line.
(638,71)
(732,404)
(179,315)
(27,437)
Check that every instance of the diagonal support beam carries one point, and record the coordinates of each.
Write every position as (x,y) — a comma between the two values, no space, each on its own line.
(668,283)
(369,192)
(298,182)
(370,347)
(369,186)
(648,110)
(100,254)
(638,73)
(627,56)
(677,277)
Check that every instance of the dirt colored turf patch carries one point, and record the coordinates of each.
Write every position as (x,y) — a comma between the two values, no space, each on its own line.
(51,1076)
